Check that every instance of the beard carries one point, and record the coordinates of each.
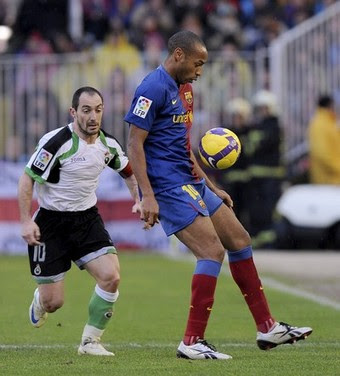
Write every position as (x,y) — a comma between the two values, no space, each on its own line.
(86,130)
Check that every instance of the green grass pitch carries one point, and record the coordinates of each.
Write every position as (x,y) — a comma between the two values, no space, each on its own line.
(149,322)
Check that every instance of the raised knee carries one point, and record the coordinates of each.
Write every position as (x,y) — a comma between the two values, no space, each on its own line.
(110,282)
(115,282)
(51,305)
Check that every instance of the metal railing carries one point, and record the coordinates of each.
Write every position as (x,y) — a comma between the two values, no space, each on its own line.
(36,92)
(305,63)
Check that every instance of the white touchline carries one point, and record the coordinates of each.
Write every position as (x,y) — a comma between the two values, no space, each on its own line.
(273,284)
(113,345)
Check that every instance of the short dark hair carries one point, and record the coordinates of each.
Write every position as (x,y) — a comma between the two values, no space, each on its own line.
(186,40)
(325,101)
(85,89)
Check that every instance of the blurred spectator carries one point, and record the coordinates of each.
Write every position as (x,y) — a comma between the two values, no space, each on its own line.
(118,98)
(321,5)
(254,23)
(36,44)
(192,22)
(261,23)
(182,8)
(265,168)
(38,17)
(96,19)
(224,23)
(235,179)
(38,106)
(123,9)
(272,28)
(324,143)
(117,51)
(151,18)
(13,149)
(294,12)
(154,51)
(233,72)
(3,13)
(62,43)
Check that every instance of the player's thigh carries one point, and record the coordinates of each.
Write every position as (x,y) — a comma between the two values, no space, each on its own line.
(229,229)
(105,270)
(201,238)
(179,207)
(91,239)
(49,261)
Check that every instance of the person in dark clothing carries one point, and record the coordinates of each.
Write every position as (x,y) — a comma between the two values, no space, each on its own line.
(235,179)
(41,17)
(265,169)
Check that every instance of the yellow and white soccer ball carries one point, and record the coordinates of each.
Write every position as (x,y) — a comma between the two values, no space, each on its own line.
(219,148)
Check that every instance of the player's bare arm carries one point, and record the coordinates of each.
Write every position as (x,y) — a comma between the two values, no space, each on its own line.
(149,205)
(219,192)
(29,230)
(131,183)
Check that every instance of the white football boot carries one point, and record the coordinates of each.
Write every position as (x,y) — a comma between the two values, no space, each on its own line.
(280,334)
(200,350)
(92,346)
(36,312)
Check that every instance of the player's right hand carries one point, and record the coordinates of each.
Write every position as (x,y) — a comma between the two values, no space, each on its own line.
(136,208)
(31,233)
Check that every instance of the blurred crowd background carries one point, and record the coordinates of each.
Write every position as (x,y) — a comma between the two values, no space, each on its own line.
(63,26)
(49,48)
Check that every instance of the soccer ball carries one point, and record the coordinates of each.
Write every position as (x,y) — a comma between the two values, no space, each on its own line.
(219,148)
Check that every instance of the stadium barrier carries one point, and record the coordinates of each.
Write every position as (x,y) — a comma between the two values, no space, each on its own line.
(114,204)
(36,92)
(305,62)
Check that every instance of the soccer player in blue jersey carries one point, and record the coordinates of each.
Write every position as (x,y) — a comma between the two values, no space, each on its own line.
(64,170)
(177,192)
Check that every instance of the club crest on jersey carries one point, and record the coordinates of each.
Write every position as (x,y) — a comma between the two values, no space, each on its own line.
(202,204)
(42,159)
(188,96)
(142,106)
(108,158)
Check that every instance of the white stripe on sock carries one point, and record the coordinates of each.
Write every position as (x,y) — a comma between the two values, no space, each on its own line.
(91,332)
(108,296)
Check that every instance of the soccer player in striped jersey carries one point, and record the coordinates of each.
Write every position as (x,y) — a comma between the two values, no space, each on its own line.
(177,192)
(64,170)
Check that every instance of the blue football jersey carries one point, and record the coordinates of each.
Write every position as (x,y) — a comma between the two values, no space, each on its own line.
(165,111)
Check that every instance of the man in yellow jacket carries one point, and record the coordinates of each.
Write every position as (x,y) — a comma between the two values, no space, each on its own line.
(324,144)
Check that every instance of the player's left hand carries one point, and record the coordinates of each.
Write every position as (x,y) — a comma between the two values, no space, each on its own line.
(225,197)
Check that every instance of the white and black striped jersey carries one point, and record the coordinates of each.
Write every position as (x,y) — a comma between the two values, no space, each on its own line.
(67,168)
